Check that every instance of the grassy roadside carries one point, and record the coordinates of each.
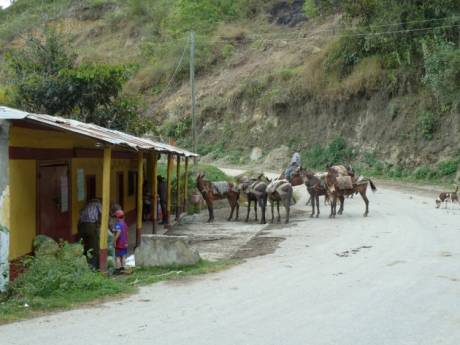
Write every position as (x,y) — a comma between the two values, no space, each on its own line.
(15,308)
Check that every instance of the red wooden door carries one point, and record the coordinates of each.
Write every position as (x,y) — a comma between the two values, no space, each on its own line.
(54,202)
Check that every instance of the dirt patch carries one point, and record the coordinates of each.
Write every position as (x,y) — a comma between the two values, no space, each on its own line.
(258,246)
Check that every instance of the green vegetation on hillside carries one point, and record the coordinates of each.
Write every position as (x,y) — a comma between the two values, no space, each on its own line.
(379,74)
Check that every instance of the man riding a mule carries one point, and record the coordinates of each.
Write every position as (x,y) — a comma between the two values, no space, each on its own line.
(293,166)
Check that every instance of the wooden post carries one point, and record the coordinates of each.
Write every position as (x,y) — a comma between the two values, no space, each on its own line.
(185,203)
(169,183)
(104,231)
(178,184)
(140,184)
(154,191)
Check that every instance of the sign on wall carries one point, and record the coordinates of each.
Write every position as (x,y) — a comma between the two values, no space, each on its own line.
(80,185)
(64,194)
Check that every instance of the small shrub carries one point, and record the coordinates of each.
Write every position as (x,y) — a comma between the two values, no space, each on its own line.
(336,152)
(427,123)
(447,167)
(56,275)
(422,172)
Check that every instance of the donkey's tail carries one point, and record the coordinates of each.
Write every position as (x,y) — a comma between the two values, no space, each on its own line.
(373,187)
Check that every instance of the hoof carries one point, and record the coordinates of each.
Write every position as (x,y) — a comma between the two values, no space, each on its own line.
(317,216)
(365,214)
(312,215)
(286,222)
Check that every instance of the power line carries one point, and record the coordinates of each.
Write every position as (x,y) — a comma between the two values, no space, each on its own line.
(173,76)
(334,30)
(345,34)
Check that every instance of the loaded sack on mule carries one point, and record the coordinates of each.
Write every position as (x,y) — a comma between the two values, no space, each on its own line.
(222,188)
(280,190)
(255,191)
(341,181)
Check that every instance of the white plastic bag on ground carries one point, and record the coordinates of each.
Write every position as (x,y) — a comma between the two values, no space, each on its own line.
(130,261)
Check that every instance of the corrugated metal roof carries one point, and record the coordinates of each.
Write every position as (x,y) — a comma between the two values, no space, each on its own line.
(93,131)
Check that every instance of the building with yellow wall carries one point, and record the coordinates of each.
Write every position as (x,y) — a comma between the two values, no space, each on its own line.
(53,166)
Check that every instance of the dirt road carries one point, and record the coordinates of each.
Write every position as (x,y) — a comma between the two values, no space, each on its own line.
(392,278)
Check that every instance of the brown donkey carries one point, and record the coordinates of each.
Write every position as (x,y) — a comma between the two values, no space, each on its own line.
(316,187)
(256,191)
(217,191)
(337,190)
(280,191)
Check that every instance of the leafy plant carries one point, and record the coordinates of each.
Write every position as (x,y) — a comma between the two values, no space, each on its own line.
(427,123)
(447,167)
(56,275)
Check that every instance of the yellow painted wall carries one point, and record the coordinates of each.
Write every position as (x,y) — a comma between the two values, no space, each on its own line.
(23,181)
(22,206)
(93,166)
(26,137)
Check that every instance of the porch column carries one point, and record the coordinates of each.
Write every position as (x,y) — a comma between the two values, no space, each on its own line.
(169,196)
(154,190)
(140,184)
(185,203)
(4,205)
(178,198)
(105,209)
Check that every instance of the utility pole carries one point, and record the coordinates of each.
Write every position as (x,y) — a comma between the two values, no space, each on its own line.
(192,86)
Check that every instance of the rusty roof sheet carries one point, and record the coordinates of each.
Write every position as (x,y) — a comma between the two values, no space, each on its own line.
(93,131)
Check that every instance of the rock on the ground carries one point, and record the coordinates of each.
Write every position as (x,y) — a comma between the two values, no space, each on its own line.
(161,250)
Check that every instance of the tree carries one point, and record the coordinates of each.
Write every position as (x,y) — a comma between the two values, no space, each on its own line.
(47,79)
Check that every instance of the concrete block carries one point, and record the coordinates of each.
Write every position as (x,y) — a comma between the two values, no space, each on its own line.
(161,250)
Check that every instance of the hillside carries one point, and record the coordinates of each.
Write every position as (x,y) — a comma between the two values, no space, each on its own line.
(277,76)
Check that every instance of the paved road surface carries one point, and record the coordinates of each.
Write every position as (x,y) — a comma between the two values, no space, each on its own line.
(392,278)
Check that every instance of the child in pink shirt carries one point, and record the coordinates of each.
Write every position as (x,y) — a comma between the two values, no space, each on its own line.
(121,240)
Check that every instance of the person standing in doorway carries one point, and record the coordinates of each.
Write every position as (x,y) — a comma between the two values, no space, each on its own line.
(162,193)
(88,230)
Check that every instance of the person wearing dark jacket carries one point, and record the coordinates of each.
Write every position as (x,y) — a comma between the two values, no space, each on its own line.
(88,230)
(162,193)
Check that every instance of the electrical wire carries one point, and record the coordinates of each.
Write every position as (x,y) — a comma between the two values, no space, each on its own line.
(344,33)
(173,76)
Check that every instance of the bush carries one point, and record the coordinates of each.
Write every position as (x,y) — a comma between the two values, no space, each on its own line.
(422,172)
(442,70)
(57,275)
(447,167)
(427,123)
(336,152)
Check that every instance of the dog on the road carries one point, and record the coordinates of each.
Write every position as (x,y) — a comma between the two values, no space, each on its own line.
(447,197)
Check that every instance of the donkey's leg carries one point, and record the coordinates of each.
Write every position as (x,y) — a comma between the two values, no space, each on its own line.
(313,201)
(209,205)
(272,207)
(237,210)
(278,210)
(333,202)
(263,206)
(317,205)
(249,209)
(342,201)
(232,206)
(366,201)
(255,207)
(309,201)
(287,206)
